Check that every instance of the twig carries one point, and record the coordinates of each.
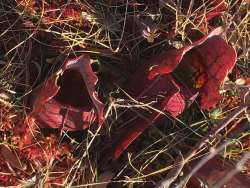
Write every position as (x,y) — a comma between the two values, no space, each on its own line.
(201,144)
(230,174)
(172,175)
(213,152)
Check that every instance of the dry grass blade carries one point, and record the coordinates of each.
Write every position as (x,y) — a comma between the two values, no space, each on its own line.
(121,37)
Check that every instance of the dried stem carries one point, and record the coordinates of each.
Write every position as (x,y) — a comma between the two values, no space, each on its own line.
(199,146)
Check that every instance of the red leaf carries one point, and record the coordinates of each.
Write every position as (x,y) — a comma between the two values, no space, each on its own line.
(174,104)
(174,100)
(218,7)
(68,98)
(211,56)
(213,8)
(212,53)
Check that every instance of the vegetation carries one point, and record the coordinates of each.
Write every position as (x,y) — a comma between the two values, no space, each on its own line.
(124,93)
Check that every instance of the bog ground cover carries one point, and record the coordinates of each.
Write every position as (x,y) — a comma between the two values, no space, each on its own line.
(124,93)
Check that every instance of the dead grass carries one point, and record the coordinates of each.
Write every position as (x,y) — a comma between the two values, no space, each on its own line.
(36,38)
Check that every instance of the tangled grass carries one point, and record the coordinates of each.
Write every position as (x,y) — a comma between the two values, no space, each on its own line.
(120,35)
